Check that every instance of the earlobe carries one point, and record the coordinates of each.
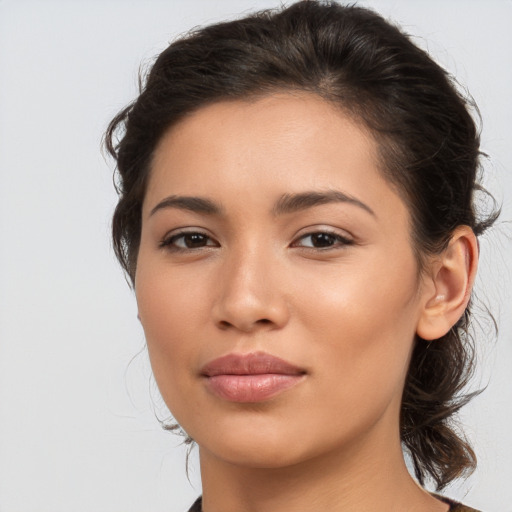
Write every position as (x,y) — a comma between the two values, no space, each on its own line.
(452,276)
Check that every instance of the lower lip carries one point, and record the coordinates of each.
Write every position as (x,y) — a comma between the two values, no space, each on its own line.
(251,388)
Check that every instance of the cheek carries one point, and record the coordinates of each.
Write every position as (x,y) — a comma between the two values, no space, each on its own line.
(169,311)
(169,299)
(362,323)
(360,295)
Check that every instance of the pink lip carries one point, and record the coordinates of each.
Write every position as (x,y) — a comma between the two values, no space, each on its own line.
(251,377)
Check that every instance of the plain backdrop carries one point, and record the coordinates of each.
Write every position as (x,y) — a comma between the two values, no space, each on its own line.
(78,406)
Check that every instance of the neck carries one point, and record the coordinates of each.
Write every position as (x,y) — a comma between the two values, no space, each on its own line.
(370,477)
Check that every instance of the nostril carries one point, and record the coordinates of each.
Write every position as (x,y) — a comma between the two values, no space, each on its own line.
(224,325)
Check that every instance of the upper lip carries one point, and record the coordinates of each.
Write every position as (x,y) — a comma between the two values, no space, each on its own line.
(256,363)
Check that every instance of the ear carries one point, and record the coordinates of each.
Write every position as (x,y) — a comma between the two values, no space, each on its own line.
(447,288)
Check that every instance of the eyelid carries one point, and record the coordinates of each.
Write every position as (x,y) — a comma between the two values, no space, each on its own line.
(167,241)
(343,238)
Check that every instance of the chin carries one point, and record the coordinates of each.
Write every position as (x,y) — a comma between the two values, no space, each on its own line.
(256,455)
(255,444)
(267,445)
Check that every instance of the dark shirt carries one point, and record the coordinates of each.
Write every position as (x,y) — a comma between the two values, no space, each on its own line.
(454,507)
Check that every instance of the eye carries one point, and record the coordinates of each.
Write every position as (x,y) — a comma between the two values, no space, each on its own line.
(189,240)
(322,240)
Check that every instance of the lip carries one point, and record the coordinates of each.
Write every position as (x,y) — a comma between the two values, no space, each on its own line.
(250,378)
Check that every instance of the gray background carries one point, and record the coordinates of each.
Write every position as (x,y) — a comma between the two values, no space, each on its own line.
(77,402)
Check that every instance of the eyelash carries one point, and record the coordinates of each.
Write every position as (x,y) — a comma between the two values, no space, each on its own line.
(339,241)
(169,241)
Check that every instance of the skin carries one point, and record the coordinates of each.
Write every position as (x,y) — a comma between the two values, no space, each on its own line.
(346,313)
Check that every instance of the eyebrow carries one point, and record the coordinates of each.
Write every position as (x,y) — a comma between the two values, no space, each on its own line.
(287,203)
(191,203)
(290,203)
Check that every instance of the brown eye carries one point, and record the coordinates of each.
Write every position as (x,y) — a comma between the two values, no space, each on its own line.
(322,240)
(191,240)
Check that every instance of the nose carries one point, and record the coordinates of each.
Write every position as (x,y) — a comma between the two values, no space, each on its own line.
(250,295)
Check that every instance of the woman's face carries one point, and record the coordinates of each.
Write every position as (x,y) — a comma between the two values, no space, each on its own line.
(276,282)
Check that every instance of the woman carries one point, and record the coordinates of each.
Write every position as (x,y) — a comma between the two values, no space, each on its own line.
(296,215)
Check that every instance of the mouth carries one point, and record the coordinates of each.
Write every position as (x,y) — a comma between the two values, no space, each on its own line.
(250,378)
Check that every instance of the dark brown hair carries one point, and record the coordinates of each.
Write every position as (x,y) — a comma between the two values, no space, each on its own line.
(429,149)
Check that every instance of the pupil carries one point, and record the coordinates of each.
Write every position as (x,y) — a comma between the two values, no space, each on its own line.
(322,240)
(195,240)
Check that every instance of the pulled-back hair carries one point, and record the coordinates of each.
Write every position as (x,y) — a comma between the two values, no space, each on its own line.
(428,145)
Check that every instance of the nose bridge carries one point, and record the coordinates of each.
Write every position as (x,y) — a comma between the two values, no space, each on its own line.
(249,293)
(248,262)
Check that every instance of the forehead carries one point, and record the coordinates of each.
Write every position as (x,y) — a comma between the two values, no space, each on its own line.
(283,143)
